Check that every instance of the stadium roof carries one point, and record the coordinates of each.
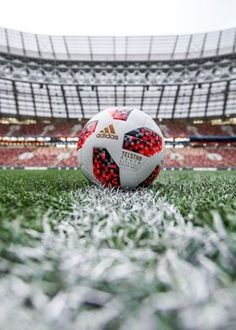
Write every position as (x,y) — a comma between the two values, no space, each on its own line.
(79,90)
(130,48)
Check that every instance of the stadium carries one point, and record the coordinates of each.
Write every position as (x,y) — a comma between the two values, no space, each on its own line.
(51,85)
(75,256)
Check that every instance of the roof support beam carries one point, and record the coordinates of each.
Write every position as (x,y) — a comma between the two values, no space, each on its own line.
(80,101)
(49,100)
(66,47)
(226,97)
(203,45)
(7,40)
(189,46)
(90,48)
(52,46)
(65,101)
(160,100)
(33,99)
(97,98)
(207,100)
(15,98)
(150,49)
(234,44)
(142,98)
(115,92)
(23,43)
(218,43)
(114,48)
(175,101)
(191,100)
(174,48)
(124,96)
(37,43)
(126,48)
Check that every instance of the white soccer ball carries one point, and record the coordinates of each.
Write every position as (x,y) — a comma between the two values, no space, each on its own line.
(121,147)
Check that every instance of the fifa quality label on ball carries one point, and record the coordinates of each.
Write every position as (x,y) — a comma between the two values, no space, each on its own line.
(130,160)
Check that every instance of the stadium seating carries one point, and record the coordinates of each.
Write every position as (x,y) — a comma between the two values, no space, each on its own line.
(51,156)
(37,156)
(177,129)
(54,129)
(183,129)
(66,157)
(201,157)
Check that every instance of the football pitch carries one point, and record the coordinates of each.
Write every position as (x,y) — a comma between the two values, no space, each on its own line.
(75,256)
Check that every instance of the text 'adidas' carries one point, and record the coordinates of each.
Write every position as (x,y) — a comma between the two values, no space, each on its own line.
(108,133)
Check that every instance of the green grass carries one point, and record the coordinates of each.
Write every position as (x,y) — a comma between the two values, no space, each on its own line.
(77,256)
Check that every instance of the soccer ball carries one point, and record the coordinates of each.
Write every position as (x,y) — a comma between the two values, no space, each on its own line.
(121,147)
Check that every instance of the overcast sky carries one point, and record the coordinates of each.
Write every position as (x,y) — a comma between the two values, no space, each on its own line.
(117,17)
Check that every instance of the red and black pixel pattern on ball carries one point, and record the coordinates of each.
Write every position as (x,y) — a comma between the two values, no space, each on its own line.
(149,180)
(87,130)
(105,169)
(120,113)
(143,141)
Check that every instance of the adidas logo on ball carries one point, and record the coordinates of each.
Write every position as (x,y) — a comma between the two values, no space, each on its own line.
(108,133)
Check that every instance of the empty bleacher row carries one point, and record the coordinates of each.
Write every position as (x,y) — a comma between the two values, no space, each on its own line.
(72,128)
(184,129)
(67,157)
(39,129)
(201,157)
(37,156)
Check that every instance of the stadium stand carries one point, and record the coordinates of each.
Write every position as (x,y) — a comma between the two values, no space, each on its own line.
(185,129)
(175,129)
(52,157)
(51,85)
(52,129)
(201,158)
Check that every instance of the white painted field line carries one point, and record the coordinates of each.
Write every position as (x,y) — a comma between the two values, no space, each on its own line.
(122,257)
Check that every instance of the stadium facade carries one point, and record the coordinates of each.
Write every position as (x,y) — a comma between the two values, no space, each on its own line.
(54,81)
